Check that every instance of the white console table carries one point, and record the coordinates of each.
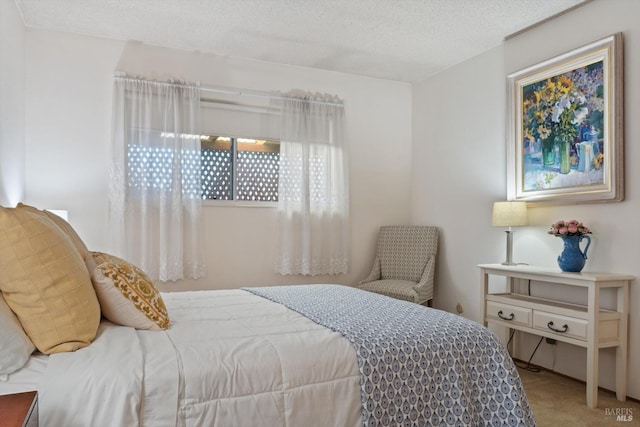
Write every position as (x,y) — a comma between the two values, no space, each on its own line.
(587,326)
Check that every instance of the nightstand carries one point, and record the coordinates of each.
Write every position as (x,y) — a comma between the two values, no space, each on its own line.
(589,326)
(19,410)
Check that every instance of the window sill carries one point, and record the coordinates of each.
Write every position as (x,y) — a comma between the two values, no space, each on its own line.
(237,204)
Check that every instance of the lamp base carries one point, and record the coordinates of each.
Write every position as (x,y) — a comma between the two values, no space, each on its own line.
(509,260)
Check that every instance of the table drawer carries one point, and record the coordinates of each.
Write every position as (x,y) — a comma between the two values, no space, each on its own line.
(509,313)
(560,325)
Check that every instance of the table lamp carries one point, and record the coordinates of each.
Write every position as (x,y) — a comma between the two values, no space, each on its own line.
(62,213)
(509,214)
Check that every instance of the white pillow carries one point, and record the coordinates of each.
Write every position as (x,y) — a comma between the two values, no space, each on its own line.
(15,345)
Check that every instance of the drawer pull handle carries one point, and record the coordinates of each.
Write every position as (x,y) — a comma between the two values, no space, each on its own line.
(565,328)
(503,317)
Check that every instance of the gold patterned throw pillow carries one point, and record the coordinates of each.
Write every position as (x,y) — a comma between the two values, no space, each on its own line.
(127,296)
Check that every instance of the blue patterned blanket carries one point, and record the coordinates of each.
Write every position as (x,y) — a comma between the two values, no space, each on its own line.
(418,366)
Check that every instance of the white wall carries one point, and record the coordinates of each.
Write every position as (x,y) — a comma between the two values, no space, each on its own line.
(11,105)
(459,170)
(68,119)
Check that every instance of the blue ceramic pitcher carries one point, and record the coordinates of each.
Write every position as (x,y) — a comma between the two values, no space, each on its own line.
(572,258)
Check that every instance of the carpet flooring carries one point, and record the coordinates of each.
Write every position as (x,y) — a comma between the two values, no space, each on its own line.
(557,400)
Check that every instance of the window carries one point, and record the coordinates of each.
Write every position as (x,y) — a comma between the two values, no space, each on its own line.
(241,169)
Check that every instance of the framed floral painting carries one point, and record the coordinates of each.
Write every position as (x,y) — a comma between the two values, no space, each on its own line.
(566,127)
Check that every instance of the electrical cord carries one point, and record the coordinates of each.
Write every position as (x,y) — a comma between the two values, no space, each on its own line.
(513,331)
(519,364)
(528,366)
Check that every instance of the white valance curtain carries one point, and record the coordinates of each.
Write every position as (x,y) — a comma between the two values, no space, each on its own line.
(155,188)
(313,188)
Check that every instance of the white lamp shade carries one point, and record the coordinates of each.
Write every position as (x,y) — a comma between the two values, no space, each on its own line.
(509,214)
(64,214)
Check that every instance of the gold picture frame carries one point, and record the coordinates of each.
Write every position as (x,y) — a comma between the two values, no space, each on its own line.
(566,127)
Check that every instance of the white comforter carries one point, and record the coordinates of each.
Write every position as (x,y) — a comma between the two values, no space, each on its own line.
(229,359)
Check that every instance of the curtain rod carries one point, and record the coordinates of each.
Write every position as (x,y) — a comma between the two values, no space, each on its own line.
(260,94)
(231,91)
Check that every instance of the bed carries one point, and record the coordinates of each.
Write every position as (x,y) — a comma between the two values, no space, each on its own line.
(236,358)
(306,355)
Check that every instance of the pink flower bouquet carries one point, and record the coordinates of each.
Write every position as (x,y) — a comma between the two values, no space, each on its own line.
(568,228)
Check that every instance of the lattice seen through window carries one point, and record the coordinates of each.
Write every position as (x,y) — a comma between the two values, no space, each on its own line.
(255,176)
(256,169)
(151,168)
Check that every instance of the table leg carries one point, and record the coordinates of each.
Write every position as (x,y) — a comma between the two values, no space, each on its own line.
(592,347)
(621,350)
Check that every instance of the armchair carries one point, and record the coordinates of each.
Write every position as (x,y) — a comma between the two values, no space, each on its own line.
(404,265)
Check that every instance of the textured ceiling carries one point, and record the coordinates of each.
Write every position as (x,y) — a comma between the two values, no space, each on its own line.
(405,40)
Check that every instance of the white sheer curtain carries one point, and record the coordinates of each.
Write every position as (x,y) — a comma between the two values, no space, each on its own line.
(313,188)
(155,188)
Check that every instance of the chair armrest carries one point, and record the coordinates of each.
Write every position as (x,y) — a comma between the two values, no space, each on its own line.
(424,288)
(374,274)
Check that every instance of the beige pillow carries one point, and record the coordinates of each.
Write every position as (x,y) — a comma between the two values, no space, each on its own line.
(64,226)
(45,282)
(127,296)
(15,345)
